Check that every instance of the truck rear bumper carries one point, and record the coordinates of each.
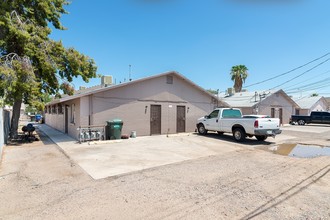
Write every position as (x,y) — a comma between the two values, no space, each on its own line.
(267,132)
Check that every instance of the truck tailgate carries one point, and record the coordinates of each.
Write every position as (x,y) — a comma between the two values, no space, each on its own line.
(268,123)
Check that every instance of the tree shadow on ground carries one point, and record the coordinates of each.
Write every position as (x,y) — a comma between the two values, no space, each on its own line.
(23,138)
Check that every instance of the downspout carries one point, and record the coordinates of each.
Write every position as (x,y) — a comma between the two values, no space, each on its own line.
(90,103)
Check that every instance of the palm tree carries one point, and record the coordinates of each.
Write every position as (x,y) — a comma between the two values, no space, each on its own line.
(238,75)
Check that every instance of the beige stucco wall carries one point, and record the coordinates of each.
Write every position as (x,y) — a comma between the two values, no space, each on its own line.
(304,112)
(277,101)
(247,110)
(132,104)
(57,121)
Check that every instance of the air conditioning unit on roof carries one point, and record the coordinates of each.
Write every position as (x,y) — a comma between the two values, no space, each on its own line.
(230,91)
(106,81)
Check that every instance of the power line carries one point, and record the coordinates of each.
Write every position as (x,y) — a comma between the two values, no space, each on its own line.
(305,81)
(308,89)
(282,74)
(302,73)
(311,85)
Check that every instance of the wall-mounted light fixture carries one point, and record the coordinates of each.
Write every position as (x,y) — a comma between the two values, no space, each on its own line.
(145,109)
(187,109)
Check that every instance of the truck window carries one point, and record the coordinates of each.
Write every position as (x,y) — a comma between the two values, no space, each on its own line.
(214,114)
(316,113)
(231,113)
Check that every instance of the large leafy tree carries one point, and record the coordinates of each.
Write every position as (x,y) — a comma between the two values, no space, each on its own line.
(31,63)
(238,74)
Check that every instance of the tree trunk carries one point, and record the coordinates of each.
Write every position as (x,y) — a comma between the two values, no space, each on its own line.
(238,84)
(15,119)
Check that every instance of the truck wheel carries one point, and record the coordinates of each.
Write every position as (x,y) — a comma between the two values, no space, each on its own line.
(239,134)
(201,129)
(261,137)
(301,122)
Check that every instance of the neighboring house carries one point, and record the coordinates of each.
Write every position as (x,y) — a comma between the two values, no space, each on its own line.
(160,104)
(276,104)
(309,104)
(328,101)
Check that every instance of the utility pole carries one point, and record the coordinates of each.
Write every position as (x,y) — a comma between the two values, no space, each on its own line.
(129,72)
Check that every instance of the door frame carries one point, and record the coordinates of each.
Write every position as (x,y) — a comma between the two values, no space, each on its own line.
(177,118)
(159,127)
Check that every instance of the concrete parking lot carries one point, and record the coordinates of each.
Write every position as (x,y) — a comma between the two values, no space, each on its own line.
(102,159)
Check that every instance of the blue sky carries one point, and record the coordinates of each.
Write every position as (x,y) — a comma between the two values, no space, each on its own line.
(203,39)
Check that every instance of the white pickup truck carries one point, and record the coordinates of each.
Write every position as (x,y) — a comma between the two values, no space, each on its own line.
(230,120)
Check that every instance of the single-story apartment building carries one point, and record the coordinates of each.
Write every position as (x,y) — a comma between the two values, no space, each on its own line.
(276,104)
(309,104)
(166,103)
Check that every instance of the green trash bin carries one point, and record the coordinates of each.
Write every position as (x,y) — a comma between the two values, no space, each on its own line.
(114,129)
